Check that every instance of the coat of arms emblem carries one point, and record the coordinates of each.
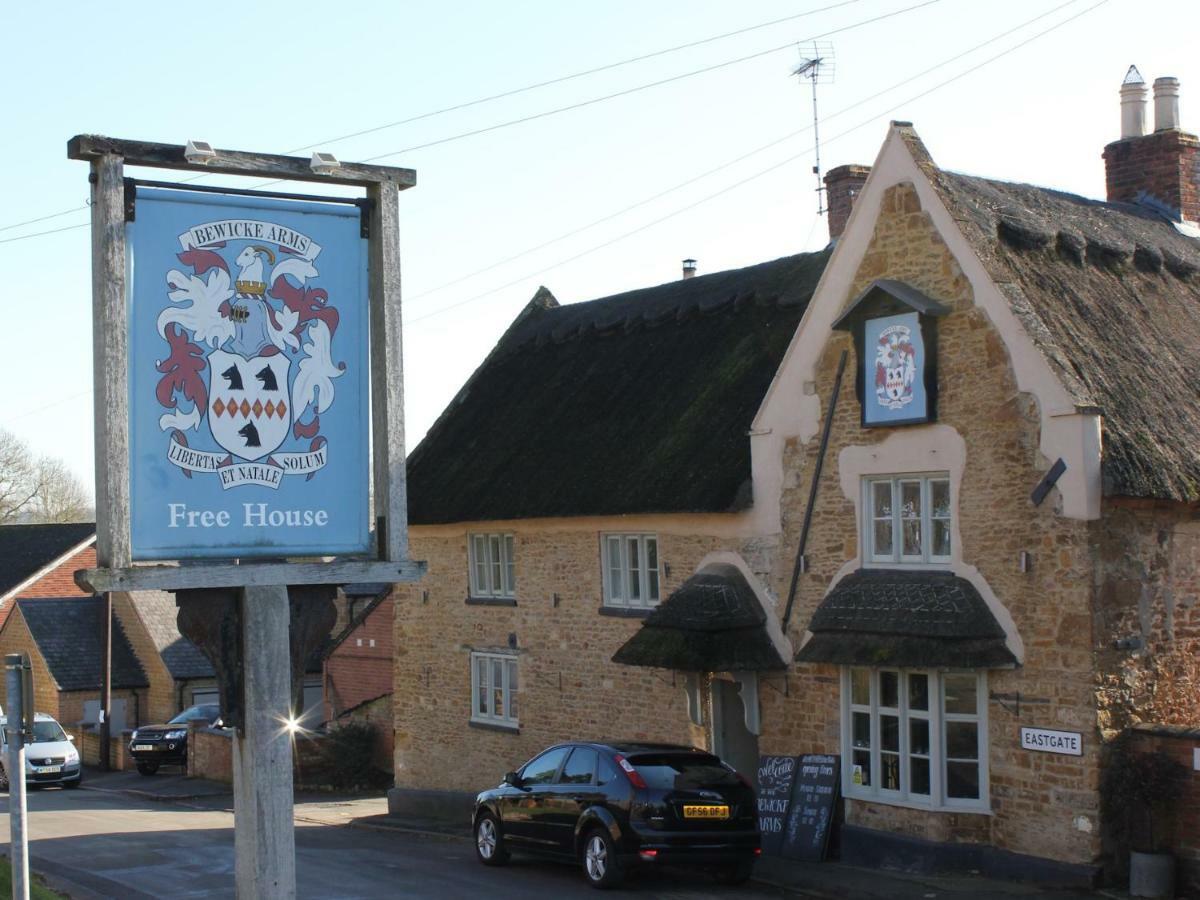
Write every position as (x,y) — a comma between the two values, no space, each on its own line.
(895,367)
(248,365)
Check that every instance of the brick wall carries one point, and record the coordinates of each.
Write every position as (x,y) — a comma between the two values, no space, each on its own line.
(1034,797)
(842,187)
(71,703)
(210,753)
(1165,165)
(360,667)
(160,700)
(569,688)
(1181,744)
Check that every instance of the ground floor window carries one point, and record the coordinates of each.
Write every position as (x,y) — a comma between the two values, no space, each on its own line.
(915,737)
(494,689)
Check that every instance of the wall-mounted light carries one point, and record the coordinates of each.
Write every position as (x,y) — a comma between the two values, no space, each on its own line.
(200,152)
(324,163)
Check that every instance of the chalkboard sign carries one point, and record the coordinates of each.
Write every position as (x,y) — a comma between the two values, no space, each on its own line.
(810,818)
(775,777)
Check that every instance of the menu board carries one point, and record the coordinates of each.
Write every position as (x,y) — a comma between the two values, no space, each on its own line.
(810,818)
(775,777)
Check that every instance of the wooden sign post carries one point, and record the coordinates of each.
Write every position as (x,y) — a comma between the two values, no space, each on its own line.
(252,606)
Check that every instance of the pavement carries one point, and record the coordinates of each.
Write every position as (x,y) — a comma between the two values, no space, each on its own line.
(133,837)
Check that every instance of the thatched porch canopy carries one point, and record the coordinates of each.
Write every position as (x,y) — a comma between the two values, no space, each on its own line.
(713,623)
(917,619)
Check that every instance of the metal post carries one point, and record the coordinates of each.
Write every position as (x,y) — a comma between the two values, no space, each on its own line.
(15,764)
(264,831)
(106,683)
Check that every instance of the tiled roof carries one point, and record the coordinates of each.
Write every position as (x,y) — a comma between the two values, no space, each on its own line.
(26,549)
(158,613)
(68,633)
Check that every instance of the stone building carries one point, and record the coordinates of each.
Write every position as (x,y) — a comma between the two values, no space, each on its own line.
(947,532)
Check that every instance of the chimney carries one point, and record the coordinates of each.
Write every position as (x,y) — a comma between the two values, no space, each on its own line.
(1159,170)
(842,187)
(1133,104)
(689,268)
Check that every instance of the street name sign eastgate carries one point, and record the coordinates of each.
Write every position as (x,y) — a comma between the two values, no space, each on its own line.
(248,336)
(1066,743)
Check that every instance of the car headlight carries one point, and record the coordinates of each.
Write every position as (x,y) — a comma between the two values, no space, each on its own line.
(72,755)
(134,736)
(176,735)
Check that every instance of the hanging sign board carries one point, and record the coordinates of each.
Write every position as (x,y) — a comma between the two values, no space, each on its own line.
(775,777)
(248,373)
(811,816)
(894,362)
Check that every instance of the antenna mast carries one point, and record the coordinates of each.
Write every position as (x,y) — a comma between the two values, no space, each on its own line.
(818,68)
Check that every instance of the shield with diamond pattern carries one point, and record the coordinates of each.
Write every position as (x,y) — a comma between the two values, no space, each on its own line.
(247,402)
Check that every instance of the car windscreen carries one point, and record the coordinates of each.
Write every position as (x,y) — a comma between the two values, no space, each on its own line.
(682,771)
(47,732)
(203,713)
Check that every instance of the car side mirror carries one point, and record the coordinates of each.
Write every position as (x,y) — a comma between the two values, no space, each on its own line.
(512,779)
(71,738)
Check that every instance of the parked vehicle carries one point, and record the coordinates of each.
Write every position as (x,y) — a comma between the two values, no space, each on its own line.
(50,756)
(611,806)
(152,746)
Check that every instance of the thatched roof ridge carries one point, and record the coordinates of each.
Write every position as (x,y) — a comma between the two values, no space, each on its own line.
(1110,293)
(635,403)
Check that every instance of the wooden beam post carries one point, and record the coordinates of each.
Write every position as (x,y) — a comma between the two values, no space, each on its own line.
(387,373)
(264,831)
(110,362)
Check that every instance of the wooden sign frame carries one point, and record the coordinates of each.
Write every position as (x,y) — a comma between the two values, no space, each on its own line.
(110,352)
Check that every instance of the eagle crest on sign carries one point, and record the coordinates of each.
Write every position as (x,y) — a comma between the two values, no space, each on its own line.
(248,365)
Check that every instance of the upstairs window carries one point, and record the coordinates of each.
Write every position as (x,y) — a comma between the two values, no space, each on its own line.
(630,570)
(908,519)
(492,565)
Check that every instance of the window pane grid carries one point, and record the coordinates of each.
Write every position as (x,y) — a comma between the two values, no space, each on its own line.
(494,688)
(908,519)
(492,565)
(907,749)
(631,575)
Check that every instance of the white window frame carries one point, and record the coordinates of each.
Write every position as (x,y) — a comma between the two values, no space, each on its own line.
(491,562)
(897,557)
(508,715)
(937,716)
(627,586)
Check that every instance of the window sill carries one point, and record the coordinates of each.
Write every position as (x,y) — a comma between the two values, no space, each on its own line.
(923,807)
(494,726)
(491,601)
(626,612)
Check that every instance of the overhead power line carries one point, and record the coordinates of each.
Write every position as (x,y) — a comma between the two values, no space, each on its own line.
(763,172)
(732,162)
(500,96)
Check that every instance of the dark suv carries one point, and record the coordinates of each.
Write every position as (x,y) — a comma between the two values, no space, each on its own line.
(609,806)
(152,746)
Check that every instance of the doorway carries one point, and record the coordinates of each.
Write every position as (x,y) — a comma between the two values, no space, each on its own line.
(732,740)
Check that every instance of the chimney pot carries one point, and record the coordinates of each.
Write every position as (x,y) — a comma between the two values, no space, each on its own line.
(1166,104)
(842,187)
(1133,104)
(689,268)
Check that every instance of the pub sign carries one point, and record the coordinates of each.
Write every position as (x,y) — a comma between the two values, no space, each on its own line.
(248,331)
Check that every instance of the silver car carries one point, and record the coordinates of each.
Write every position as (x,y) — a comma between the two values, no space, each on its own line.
(50,757)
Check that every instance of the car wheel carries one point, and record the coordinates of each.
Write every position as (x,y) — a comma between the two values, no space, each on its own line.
(738,873)
(489,844)
(147,768)
(601,866)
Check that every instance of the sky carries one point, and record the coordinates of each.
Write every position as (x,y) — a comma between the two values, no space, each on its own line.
(605,197)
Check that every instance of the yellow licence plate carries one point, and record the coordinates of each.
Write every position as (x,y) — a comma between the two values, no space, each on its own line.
(705,812)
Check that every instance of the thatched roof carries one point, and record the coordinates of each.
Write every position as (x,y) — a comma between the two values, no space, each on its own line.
(634,403)
(713,623)
(1110,293)
(890,617)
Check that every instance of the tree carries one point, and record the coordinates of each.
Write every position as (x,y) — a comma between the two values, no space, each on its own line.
(37,489)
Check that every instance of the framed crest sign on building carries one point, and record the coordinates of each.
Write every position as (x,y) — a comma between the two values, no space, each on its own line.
(895,335)
(248,334)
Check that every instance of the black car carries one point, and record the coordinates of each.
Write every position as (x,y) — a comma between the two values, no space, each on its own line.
(614,805)
(152,746)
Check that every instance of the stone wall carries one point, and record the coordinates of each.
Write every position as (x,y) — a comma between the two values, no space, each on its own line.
(1041,805)
(160,700)
(15,638)
(1148,615)
(1182,745)
(569,687)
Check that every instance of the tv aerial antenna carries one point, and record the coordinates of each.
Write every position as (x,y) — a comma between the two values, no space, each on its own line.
(817,66)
